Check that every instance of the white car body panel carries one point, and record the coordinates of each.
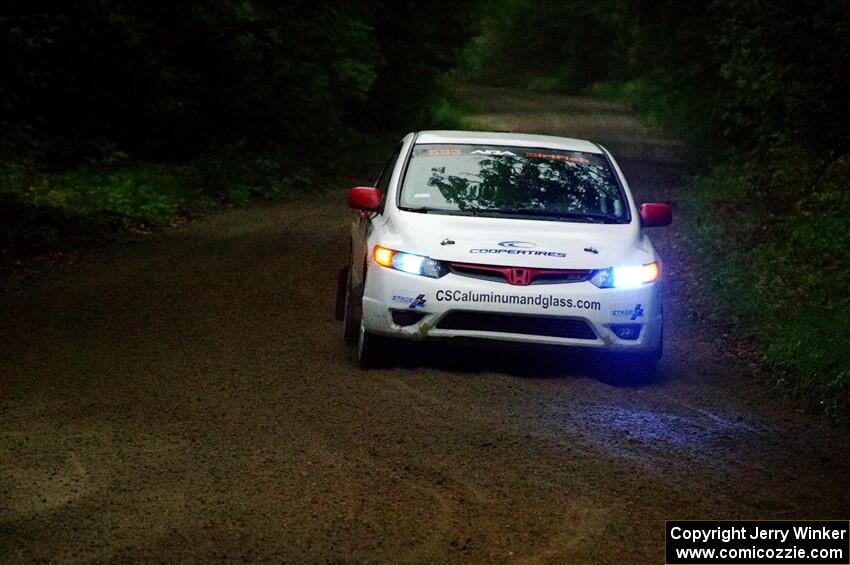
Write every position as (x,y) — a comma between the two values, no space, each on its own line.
(477,240)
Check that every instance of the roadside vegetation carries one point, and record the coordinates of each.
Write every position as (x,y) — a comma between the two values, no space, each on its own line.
(759,90)
(119,115)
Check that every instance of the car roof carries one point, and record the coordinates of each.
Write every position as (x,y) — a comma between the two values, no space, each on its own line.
(446,137)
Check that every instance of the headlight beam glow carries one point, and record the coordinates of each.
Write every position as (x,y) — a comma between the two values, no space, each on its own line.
(631,276)
(408,263)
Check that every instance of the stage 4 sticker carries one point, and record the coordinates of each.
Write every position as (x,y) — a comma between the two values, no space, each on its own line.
(630,311)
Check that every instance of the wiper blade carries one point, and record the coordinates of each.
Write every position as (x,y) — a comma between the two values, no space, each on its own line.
(450,212)
(605,218)
(419,209)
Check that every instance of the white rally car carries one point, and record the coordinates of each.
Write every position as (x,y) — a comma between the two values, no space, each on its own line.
(498,236)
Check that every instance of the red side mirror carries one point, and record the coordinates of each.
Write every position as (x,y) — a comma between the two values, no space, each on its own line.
(365,198)
(653,215)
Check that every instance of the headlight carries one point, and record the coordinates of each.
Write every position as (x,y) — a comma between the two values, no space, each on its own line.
(408,262)
(627,277)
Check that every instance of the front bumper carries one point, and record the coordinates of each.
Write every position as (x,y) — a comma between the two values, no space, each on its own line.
(456,306)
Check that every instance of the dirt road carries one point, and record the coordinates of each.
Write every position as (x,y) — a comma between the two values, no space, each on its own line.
(187,396)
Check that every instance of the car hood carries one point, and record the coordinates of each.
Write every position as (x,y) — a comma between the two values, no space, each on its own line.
(516,242)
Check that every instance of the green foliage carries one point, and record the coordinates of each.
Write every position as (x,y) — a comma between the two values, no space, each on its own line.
(784,65)
(763,95)
(447,114)
(168,81)
(759,87)
(450,109)
(783,266)
(728,73)
(116,113)
(668,101)
(549,46)
(149,193)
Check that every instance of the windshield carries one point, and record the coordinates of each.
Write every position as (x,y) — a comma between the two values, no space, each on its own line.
(512,181)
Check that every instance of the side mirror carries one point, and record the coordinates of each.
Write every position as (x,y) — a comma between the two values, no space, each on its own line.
(655,215)
(366,198)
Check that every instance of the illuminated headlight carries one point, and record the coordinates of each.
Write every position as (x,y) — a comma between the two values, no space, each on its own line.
(627,277)
(408,262)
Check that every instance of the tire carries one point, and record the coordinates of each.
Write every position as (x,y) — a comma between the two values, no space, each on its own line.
(636,368)
(656,354)
(643,367)
(341,289)
(352,310)
(630,369)
(372,350)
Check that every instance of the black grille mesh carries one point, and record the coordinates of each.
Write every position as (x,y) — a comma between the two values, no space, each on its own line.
(551,326)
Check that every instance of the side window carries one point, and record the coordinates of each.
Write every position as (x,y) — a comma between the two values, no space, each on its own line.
(387,172)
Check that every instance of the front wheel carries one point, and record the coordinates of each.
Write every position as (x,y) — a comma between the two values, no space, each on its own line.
(341,292)
(636,368)
(352,310)
(372,350)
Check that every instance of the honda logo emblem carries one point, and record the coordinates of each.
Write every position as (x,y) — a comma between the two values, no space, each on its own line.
(519,277)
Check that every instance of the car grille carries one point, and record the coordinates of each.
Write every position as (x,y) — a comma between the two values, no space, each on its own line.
(521,276)
(550,326)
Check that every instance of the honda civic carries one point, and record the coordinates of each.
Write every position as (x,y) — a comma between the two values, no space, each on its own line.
(509,237)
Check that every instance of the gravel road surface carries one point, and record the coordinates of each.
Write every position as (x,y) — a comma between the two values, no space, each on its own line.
(187,397)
